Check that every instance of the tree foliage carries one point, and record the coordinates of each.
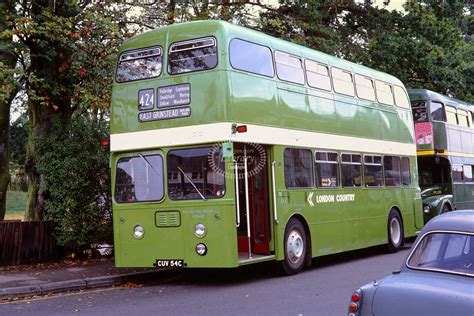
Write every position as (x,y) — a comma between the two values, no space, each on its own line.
(75,166)
(426,47)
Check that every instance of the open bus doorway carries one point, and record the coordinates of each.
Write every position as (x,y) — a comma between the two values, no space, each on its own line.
(253,194)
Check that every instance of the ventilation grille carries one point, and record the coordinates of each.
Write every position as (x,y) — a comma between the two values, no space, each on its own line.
(168,219)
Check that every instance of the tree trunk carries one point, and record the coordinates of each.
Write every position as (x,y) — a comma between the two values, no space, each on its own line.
(171,12)
(4,152)
(8,86)
(43,106)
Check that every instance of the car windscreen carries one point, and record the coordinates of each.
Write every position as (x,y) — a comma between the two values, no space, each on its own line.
(139,179)
(196,173)
(139,64)
(451,252)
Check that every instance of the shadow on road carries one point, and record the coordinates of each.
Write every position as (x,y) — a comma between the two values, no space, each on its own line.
(258,272)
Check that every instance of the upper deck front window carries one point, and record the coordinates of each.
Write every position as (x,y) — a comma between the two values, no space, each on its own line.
(419,111)
(139,64)
(194,55)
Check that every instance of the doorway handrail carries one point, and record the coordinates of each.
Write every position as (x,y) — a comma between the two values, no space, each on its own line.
(237,195)
(275,213)
(247,208)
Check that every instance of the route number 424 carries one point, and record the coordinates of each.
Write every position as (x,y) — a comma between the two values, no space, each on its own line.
(146,99)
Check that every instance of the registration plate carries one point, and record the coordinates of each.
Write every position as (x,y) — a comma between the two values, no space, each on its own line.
(169,263)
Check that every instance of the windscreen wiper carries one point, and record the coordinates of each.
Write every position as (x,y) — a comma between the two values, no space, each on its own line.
(148,163)
(192,183)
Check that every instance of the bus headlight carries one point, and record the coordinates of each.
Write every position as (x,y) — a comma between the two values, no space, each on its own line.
(138,232)
(200,230)
(427,209)
(201,249)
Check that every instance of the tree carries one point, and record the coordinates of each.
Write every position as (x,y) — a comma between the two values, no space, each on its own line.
(62,47)
(8,90)
(426,47)
(311,23)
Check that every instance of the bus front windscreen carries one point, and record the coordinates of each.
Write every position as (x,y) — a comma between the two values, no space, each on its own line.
(139,179)
(196,173)
(433,171)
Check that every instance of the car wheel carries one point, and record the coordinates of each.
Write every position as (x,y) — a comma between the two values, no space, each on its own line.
(395,231)
(295,247)
(446,208)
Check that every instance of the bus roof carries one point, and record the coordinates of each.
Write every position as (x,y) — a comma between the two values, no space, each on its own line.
(233,31)
(435,96)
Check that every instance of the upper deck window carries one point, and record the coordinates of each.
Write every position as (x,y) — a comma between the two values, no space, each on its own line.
(365,88)
(251,57)
(419,111)
(343,81)
(194,55)
(318,75)
(289,68)
(437,112)
(401,98)
(384,92)
(139,64)
(451,115)
(462,116)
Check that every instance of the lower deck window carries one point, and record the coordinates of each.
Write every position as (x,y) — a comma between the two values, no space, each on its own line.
(197,173)
(406,177)
(327,171)
(391,166)
(139,179)
(298,170)
(351,170)
(373,171)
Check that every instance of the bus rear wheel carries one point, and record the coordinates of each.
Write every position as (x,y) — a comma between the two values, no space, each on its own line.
(394,231)
(295,247)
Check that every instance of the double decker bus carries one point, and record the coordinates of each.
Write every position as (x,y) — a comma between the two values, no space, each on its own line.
(230,147)
(444,131)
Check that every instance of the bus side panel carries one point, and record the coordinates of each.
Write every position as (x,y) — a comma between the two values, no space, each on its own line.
(254,99)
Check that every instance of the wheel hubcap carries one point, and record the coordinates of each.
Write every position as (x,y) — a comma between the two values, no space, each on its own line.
(294,246)
(395,231)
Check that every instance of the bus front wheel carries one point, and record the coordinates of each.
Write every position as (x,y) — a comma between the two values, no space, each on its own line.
(395,231)
(295,247)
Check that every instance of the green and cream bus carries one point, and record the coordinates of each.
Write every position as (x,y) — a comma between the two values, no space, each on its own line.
(444,132)
(230,147)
